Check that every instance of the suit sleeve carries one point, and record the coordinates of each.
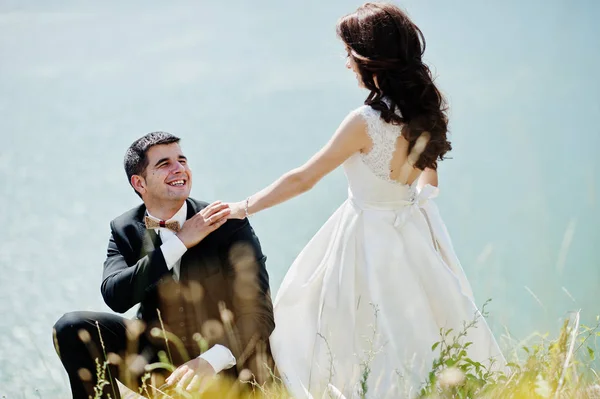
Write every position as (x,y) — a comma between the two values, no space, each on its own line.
(124,285)
(252,305)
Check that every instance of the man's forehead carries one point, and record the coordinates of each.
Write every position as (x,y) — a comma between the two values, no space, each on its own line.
(161,150)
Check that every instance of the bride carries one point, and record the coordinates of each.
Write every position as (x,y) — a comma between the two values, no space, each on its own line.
(366,298)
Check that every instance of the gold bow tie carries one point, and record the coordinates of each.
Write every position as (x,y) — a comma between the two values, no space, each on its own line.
(155,224)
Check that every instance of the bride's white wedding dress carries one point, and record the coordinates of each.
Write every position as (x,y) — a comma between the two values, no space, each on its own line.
(373,288)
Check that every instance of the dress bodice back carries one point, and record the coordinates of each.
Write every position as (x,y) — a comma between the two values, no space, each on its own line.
(369,174)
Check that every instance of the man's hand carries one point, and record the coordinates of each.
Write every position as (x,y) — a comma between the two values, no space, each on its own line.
(203,223)
(189,376)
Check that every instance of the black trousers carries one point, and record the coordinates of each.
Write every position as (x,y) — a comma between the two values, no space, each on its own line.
(84,341)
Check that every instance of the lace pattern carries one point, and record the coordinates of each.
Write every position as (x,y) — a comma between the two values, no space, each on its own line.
(384,137)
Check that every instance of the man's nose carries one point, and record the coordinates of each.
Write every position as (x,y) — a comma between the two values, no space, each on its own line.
(178,167)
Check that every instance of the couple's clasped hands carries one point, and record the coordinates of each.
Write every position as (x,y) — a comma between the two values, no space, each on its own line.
(208,220)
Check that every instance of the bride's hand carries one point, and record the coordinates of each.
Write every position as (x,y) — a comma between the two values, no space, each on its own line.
(238,210)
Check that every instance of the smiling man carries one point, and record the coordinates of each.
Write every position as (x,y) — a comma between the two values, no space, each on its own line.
(194,273)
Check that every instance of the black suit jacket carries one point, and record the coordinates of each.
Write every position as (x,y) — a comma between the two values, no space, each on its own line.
(223,276)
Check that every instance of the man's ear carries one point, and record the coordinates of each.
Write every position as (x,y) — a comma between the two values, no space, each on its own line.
(139,184)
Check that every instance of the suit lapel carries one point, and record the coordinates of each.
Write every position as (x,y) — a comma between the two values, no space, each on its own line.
(148,237)
(151,240)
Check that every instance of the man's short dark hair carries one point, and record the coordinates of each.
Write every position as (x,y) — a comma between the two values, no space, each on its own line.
(136,159)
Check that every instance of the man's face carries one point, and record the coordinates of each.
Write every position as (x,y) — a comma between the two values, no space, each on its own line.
(167,176)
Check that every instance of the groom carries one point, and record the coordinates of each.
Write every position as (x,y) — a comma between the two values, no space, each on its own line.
(199,278)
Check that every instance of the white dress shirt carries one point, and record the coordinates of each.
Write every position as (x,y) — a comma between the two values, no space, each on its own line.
(219,357)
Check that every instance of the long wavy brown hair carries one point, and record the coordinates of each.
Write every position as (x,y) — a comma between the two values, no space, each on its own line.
(387,47)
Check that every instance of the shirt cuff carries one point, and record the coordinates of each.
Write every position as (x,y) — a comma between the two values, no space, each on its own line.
(219,357)
(172,250)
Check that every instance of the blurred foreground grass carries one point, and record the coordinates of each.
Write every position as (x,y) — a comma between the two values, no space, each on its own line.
(539,367)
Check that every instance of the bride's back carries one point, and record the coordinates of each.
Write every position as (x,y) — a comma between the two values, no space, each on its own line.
(389,152)
(384,171)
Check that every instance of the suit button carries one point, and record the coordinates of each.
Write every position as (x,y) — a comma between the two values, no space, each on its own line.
(183,339)
(181,324)
(181,309)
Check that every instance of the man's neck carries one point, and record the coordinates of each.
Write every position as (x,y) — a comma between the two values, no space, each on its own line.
(164,211)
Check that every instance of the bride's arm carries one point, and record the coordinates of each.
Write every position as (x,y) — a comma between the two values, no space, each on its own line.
(350,137)
(429,176)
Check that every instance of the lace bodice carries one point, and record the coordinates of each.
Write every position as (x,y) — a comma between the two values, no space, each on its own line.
(384,136)
(369,174)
